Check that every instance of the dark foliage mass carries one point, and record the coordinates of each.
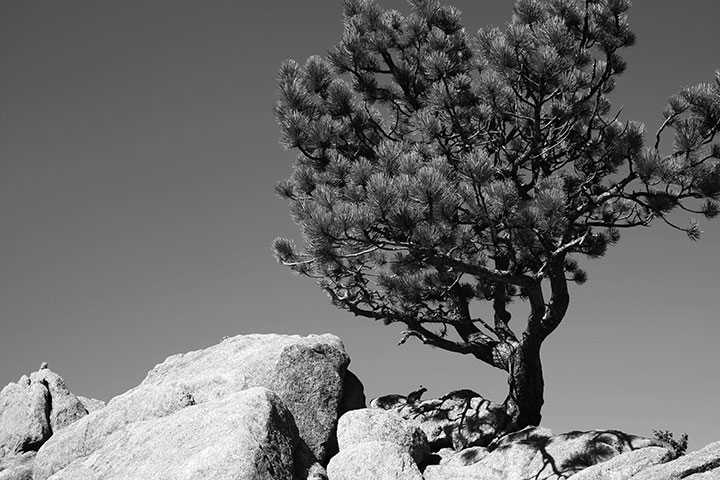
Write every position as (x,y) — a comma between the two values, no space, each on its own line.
(437,169)
(680,445)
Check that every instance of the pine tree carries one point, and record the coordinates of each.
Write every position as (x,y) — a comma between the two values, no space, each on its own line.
(438,171)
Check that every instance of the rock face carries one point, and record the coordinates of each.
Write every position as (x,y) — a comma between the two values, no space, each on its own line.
(19,467)
(24,423)
(695,465)
(372,425)
(538,454)
(373,460)
(464,457)
(460,419)
(626,465)
(308,374)
(65,407)
(91,404)
(32,409)
(89,433)
(248,435)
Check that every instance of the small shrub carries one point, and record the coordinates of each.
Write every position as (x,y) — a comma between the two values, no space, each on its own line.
(679,445)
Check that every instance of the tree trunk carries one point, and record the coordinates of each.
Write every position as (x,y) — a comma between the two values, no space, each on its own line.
(525,381)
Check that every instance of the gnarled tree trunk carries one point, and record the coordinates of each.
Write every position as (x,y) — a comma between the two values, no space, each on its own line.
(525,381)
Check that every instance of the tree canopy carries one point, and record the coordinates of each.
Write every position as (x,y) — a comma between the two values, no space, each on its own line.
(438,169)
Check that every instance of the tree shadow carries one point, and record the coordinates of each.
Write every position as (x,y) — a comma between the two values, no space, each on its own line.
(463,418)
(557,463)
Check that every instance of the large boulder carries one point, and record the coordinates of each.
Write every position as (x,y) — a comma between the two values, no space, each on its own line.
(538,454)
(626,465)
(65,407)
(34,408)
(244,435)
(373,460)
(692,465)
(309,374)
(90,433)
(459,419)
(24,424)
(372,425)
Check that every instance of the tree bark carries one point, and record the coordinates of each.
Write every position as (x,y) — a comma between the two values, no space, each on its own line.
(525,380)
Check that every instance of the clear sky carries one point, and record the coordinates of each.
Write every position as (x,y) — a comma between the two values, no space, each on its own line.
(138,155)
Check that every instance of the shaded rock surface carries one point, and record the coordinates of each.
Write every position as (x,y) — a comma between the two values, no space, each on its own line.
(538,454)
(353,396)
(626,465)
(372,425)
(701,461)
(465,457)
(373,460)
(459,419)
(245,435)
(709,475)
(32,409)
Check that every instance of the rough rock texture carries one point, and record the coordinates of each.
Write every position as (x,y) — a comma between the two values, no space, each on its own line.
(89,433)
(372,425)
(248,435)
(33,409)
(65,408)
(700,461)
(307,373)
(536,453)
(18,467)
(626,465)
(92,404)
(460,419)
(24,424)
(464,457)
(373,460)
(456,472)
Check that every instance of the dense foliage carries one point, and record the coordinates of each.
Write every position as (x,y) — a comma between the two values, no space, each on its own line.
(437,170)
(678,445)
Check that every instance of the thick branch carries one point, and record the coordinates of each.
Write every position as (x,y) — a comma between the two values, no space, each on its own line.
(559,297)
(480,346)
(479,271)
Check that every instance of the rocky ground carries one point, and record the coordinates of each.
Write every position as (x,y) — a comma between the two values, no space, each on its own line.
(284,407)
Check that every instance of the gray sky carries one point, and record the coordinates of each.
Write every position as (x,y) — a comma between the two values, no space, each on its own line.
(138,154)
